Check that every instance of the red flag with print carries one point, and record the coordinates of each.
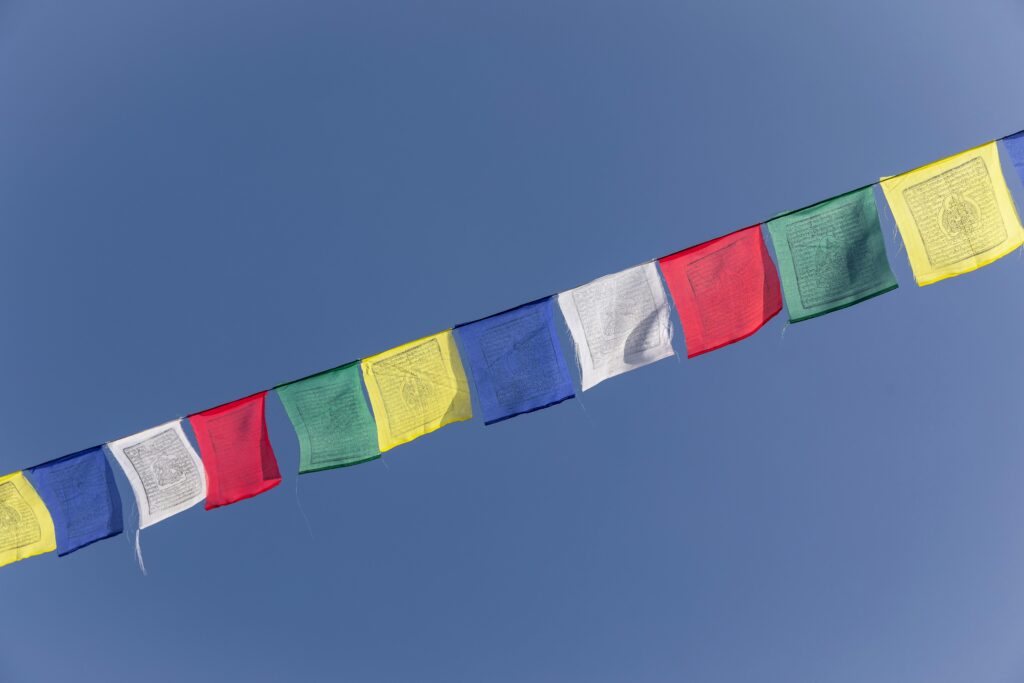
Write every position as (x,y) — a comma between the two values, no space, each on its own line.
(236,452)
(725,289)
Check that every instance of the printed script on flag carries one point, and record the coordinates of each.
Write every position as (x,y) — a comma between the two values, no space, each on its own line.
(831,255)
(618,323)
(26,528)
(416,388)
(725,289)
(80,493)
(163,469)
(955,215)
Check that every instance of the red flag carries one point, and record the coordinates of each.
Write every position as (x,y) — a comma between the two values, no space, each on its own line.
(236,452)
(724,290)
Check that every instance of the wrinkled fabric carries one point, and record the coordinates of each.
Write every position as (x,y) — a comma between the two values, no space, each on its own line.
(26,528)
(163,469)
(618,323)
(516,361)
(236,451)
(80,493)
(831,255)
(725,290)
(332,419)
(955,215)
(416,388)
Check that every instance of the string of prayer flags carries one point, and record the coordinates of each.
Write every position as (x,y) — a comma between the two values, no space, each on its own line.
(416,388)
(516,361)
(26,528)
(831,255)
(235,446)
(331,418)
(163,469)
(725,290)
(618,323)
(955,215)
(1014,146)
(81,496)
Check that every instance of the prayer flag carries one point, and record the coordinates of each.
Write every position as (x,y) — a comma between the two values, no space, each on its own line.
(831,255)
(416,388)
(80,493)
(956,215)
(618,323)
(725,290)
(1014,145)
(26,528)
(516,361)
(331,418)
(163,469)
(235,447)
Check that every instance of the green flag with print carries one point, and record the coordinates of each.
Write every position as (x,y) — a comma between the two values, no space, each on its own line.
(831,255)
(331,418)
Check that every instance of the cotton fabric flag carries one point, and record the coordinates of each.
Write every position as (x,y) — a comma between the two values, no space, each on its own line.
(955,215)
(831,255)
(331,418)
(516,361)
(236,452)
(26,528)
(80,493)
(416,388)
(725,290)
(1014,145)
(163,469)
(618,323)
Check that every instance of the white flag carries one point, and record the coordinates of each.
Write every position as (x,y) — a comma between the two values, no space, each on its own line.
(618,322)
(165,473)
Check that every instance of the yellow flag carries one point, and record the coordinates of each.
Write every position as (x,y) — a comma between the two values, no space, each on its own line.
(26,528)
(416,388)
(955,215)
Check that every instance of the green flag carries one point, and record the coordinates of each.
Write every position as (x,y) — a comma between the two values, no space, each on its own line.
(831,255)
(331,418)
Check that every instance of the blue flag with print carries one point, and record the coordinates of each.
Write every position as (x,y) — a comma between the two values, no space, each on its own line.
(516,361)
(80,493)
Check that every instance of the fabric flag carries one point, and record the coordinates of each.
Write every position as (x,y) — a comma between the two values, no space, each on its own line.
(26,528)
(163,469)
(831,255)
(516,361)
(618,322)
(235,446)
(955,215)
(1014,145)
(416,388)
(331,418)
(725,290)
(80,493)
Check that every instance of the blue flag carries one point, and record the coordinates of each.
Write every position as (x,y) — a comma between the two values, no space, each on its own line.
(516,361)
(80,493)
(1014,144)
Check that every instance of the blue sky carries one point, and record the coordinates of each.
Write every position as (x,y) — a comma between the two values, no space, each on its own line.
(201,200)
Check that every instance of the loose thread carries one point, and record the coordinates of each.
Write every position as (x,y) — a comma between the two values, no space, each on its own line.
(133,521)
(138,551)
(583,407)
(782,336)
(895,237)
(298,502)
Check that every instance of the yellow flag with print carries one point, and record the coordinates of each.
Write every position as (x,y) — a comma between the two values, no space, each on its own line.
(26,528)
(416,388)
(956,215)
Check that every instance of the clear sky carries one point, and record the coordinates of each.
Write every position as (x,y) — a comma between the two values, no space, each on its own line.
(199,200)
